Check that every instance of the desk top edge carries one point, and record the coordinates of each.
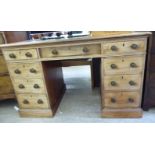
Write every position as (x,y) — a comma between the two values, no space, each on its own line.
(86,38)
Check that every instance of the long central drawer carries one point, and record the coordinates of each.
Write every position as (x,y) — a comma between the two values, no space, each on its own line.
(69,51)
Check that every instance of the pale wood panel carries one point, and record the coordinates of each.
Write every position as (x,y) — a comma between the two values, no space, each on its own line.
(6,85)
(121,99)
(122,82)
(36,112)
(23,54)
(124,65)
(122,47)
(3,67)
(122,113)
(30,70)
(33,101)
(108,33)
(28,85)
(70,51)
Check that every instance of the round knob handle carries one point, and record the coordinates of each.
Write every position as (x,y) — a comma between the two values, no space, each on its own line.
(113,83)
(85,50)
(133,65)
(131,100)
(54,52)
(12,55)
(113,66)
(113,100)
(36,86)
(21,86)
(28,54)
(17,71)
(32,70)
(40,101)
(26,101)
(134,46)
(132,83)
(114,48)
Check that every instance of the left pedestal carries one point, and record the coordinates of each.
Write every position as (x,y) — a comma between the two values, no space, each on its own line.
(39,86)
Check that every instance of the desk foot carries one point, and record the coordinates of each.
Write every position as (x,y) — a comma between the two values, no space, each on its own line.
(122,113)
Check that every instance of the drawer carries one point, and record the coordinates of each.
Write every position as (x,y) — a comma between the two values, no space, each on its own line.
(126,64)
(30,70)
(3,66)
(23,54)
(32,101)
(29,86)
(70,51)
(130,46)
(122,82)
(6,85)
(122,99)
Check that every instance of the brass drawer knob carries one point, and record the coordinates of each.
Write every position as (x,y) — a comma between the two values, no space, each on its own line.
(132,83)
(113,83)
(32,70)
(134,46)
(21,86)
(113,66)
(54,52)
(26,101)
(131,100)
(11,55)
(40,101)
(114,48)
(28,54)
(85,50)
(113,100)
(133,65)
(17,71)
(36,86)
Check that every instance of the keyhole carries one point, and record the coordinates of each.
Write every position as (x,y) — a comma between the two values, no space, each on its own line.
(123,44)
(122,77)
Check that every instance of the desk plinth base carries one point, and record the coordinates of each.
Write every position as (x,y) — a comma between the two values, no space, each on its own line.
(35,113)
(122,113)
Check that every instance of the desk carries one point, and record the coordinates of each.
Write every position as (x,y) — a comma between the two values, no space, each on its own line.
(36,72)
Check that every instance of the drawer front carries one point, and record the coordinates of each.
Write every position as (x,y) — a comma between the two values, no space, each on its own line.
(3,66)
(122,82)
(32,101)
(70,51)
(5,85)
(30,70)
(29,86)
(21,54)
(121,65)
(120,47)
(122,99)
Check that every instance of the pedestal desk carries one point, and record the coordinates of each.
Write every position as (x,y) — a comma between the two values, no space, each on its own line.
(36,72)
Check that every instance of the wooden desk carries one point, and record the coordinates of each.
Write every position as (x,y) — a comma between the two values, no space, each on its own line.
(36,72)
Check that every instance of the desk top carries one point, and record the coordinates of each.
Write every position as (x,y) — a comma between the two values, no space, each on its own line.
(71,40)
